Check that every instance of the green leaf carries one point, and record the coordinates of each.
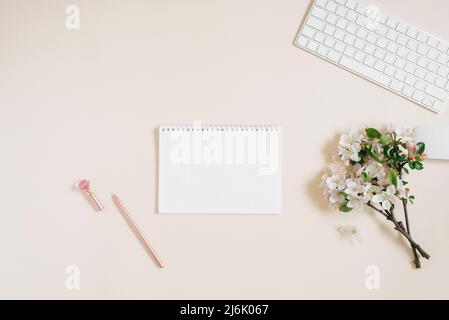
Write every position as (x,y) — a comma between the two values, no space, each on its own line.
(412,165)
(421,146)
(344,207)
(393,176)
(373,133)
(418,165)
(385,139)
(412,199)
(373,156)
(366,177)
(406,170)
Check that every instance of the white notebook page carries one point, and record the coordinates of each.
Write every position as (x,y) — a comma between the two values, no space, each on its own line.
(219,169)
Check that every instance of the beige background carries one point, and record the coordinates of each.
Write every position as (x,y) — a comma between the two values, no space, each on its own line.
(85,103)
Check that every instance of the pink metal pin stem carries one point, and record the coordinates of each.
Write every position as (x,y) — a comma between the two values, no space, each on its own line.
(84,185)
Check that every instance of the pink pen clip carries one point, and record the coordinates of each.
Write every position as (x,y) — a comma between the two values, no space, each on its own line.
(84,185)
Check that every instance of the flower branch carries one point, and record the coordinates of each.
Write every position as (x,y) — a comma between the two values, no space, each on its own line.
(369,169)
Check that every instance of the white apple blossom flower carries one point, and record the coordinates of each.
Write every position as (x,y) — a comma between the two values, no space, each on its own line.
(336,197)
(350,234)
(353,136)
(354,187)
(350,153)
(404,133)
(357,202)
(336,182)
(375,169)
(402,192)
(385,198)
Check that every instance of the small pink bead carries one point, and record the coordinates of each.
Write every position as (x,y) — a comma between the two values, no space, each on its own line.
(83,184)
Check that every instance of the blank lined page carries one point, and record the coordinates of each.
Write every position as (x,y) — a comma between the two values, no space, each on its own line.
(220,169)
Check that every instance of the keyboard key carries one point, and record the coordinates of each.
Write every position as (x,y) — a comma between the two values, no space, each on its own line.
(392,35)
(401,27)
(443,59)
(396,85)
(420,72)
(315,23)
(351,4)
(410,68)
(379,65)
(329,30)
(443,71)
(349,51)
(308,32)
(323,51)
(402,52)
(381,30)
(332,18)
(334,55)
(351,16)
(349,39)
(342,23)
(441,82)
(432,67)
(428,101)
(330,42)
(331,6)
(430,77)
(400,63)
(420,85)
(362,33)
(382,42)
(412,57)
(321,3)
(359,44)
(432,54)
(379,54)
(360,56)
(422,49)
(432,42)
(361,21)
(312,45)
(340,47)
(340,35)
(402,40)
(389,58)
(422,62)
(408,91)
(412,32)
(302,41)
(351,28)
(418,95)
(369,48)
(372,38)
(422,37)
(370,61)
(390,71)
(412,44)
(319,37)
(365,71)
(442,46)
(341,11)
(392,23)
(392,47)
(400,75)
(319,13)
(410,80)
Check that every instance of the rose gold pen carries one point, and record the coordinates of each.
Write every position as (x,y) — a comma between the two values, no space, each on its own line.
(136,230)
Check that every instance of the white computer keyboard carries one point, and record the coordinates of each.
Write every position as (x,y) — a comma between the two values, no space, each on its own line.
(382,49)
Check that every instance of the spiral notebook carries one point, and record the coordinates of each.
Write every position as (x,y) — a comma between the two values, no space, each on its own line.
(219,169)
